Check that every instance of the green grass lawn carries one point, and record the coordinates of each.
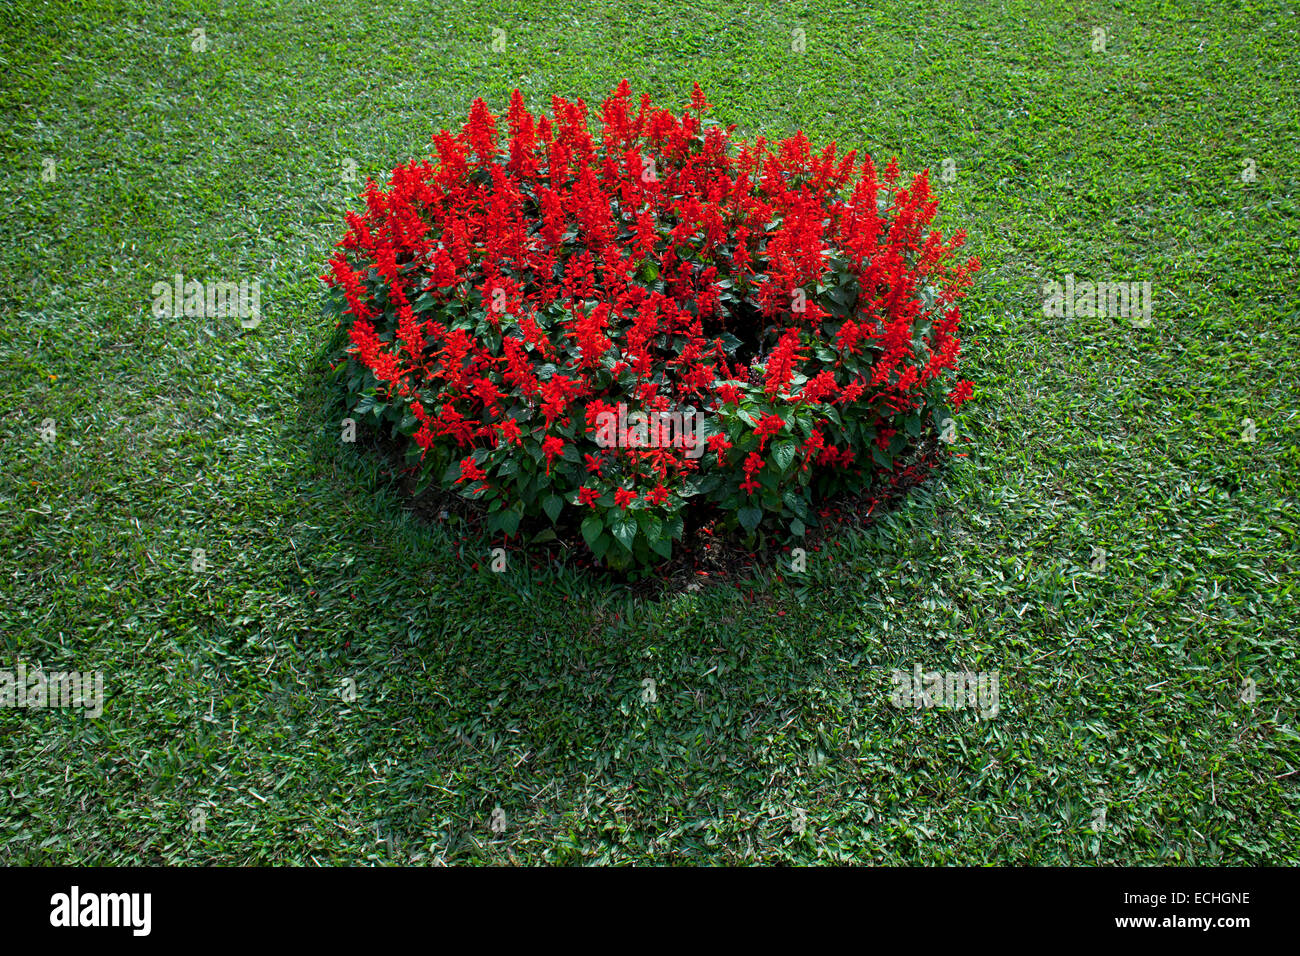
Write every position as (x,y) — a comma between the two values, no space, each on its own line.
(229,733)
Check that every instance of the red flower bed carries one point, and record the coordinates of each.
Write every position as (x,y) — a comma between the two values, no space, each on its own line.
(614,326)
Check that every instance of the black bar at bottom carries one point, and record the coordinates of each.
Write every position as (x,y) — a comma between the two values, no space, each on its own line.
(332,906)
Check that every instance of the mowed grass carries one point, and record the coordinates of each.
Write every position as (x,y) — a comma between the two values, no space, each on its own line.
(230,734)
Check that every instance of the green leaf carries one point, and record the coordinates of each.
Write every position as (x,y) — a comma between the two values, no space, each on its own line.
(796,504)
(552,505)
(624,529)
(592,528)
(509,521)
(730,342)
(749,518)
(783,454)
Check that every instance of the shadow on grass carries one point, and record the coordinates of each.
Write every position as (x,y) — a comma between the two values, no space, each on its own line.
(574,701)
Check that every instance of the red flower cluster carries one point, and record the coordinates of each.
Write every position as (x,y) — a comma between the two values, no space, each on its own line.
(541,272)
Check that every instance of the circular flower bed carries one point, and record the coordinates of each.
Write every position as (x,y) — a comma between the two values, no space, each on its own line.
(613,329)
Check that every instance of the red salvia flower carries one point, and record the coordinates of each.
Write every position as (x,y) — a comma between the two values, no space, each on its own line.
(961,393)
(753,464)
(470,471)
(768,426)
(589,261)
(552,447)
